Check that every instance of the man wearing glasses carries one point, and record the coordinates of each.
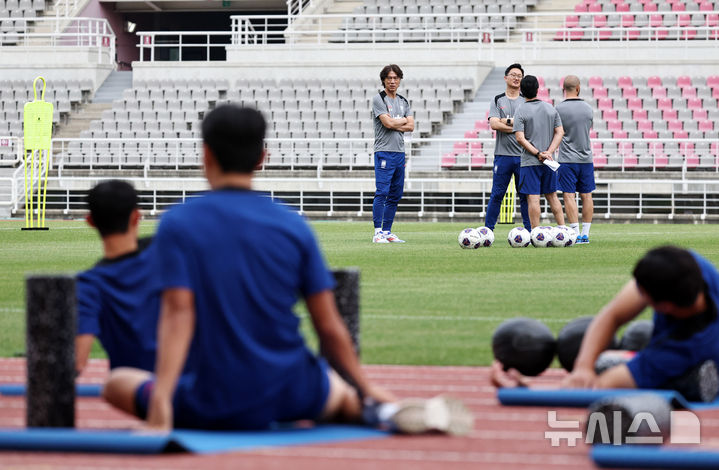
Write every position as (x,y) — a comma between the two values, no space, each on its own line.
(506,150)
(392,118)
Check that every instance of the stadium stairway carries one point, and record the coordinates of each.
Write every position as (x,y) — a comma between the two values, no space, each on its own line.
(5,191)
(113,86)
(426,157)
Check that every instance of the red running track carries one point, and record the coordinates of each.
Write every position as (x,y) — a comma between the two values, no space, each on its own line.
(506,438)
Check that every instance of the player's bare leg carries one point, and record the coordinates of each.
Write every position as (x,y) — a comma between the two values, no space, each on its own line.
(556,207)
(535,212)
(570,206)
(587,207)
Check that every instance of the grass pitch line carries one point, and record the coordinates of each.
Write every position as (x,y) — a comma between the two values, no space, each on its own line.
(455,318)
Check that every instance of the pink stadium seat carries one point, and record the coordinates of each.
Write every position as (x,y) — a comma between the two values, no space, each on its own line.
(684,20)
(543,93)
(687,33)
(595,8)
(622,7)
(475,147)
(694,103)
(680,134)
(477,160)
(673,125)
(654,81)
(471,135)
(715,93)
(571,21)
(605,103)
(644,126)
(706,125)
(626,150)
(664,103)
(600,21)
(595,82)
(600,160)
(656,150)
(482,125)
(678,6)
(706,6)
(714,148)
(581,8)
(699,114)
(609,114)
(686,148)
(619,134)
(639,114)
(592,134)
(634,103)
(650,134)
(629,92)
(650,7)
(659,92)
(448,160)
(614,126)
(669,114)
(600,92)
(624,81)
(712,19)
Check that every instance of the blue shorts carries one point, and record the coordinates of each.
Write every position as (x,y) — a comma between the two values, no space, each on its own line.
(576,178)
(537,179)
(304,397)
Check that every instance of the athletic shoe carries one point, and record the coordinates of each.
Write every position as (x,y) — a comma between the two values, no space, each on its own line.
(582,239)
(441,414)
(379,238)
(391,237)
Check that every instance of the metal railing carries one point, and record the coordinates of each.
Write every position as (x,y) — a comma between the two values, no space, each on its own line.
(423,154)
(182,45)
(667,199)
(60,33)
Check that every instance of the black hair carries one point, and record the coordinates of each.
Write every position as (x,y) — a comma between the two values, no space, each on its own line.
(513,66)
(235,135)
(111,203)
(669,273)
(390,68)
(529,87)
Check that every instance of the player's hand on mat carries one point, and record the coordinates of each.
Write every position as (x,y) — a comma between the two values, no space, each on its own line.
(159,414)
(580,378)
(511,378)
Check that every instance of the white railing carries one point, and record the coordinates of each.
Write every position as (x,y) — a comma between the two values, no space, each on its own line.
(61,33)
(614,198)
(296,7)
(10,150)
(182,45)
(68,8)
(425,154)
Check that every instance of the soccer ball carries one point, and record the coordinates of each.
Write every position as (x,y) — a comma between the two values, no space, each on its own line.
(564,236)
(469,238)
(541,236)
(518,237)
(487,236)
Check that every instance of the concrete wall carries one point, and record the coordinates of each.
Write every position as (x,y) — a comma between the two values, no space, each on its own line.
(27,62)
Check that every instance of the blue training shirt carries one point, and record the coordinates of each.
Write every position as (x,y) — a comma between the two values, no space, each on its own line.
(246,259)
(678,345)
(116,302)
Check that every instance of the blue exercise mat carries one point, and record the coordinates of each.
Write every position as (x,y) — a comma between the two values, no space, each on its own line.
(81,390)
(645,456)
(201,442)
(582,398)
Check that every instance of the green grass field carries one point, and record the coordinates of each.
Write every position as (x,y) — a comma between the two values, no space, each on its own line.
(424,302)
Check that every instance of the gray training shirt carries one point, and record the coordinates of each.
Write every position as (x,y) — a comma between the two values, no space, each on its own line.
(507,144)
(388,140)
(537,120)
(577,119)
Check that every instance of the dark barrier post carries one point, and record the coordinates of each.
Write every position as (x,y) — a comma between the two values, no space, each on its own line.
(50,302)
(347,298)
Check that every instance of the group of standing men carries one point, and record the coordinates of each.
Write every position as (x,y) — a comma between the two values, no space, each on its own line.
(528,133)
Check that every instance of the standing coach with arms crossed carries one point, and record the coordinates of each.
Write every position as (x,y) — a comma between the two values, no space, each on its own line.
(392,118)
(575,154)
(506,150)
(539,130)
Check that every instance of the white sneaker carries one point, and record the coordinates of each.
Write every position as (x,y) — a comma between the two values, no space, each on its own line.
(379,238)
(392,238)
(442,414)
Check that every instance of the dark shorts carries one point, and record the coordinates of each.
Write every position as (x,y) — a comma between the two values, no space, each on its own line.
(304,397)
(538,179)
(576,178)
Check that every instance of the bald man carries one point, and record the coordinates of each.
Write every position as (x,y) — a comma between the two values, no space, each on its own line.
(576,174)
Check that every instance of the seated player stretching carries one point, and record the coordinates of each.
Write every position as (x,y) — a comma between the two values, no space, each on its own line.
(683,289)
(230,265)
(116,300)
